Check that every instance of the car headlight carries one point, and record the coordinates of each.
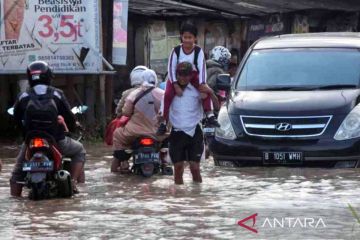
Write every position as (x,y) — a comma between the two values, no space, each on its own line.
(350,127)
(225,130)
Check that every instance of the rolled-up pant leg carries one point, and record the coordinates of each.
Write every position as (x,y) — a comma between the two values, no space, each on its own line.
(72,149)
(17,174)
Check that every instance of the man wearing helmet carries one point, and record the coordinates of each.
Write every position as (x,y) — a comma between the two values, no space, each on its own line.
(135,81)
(39,77)
(217,64)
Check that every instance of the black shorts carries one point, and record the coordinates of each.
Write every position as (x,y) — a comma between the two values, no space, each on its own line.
(183,147)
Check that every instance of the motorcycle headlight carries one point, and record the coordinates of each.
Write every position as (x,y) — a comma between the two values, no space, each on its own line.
(225,130)
(350,127)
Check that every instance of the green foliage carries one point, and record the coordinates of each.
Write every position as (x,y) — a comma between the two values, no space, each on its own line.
(354,213)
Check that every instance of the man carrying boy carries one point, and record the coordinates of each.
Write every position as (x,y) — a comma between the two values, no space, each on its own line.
(188,51)
(185,114)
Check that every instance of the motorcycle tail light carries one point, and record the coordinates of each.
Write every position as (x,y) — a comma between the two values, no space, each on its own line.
(146,141)
(38,143)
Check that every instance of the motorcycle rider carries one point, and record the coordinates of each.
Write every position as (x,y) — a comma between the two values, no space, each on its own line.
(39,78)
(135,81)
(141,106)
(217,64)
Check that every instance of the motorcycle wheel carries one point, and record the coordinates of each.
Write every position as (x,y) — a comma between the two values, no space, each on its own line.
(35,192)
(167,170)
(65,188)
(147,169)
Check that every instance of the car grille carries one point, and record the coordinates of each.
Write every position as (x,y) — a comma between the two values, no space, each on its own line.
(308,126)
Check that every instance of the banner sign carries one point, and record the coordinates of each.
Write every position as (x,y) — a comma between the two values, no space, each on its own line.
(158,47)
(120,31)
(64,33)
(300,24)
(274,25)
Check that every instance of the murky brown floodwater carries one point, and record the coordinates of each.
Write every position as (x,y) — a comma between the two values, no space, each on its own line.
(291,203)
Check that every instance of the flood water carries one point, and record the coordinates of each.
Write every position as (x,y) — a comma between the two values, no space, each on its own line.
(285,203)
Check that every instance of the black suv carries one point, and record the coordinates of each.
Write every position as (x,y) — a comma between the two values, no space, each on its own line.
(294,101)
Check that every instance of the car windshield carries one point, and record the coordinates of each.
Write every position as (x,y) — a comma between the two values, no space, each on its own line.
(301,69)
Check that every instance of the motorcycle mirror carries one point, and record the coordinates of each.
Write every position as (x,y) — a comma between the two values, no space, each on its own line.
(10,111)
(79,109)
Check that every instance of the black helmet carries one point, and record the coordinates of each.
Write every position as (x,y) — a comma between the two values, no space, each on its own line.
(39,72)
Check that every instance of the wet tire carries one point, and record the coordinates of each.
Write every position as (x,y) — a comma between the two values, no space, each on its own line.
(35,192)
(147,170)
(65,188)
(167,170)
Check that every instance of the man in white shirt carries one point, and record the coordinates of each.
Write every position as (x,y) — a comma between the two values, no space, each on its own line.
(186,138)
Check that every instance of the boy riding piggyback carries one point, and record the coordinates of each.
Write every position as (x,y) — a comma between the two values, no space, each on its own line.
(188,51)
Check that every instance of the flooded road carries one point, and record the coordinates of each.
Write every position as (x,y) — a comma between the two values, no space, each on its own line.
(247,203)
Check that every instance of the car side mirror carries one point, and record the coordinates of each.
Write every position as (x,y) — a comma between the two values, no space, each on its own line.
(10,111)
(223,82)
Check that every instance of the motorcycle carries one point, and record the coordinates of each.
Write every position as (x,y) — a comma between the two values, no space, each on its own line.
(46,175)
(149,157)
(47,170)
(209,132)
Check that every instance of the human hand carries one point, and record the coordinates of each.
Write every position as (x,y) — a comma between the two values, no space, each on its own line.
(178,90)
(61,120)
(159,118)
(203,95)
(204,88)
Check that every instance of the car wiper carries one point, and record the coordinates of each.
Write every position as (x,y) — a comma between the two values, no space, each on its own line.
(294,88)
(337,86)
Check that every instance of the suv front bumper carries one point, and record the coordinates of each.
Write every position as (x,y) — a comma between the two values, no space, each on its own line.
(316,153)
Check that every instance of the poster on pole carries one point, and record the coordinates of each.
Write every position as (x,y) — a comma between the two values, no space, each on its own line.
(158,47)
(64,33)
(120,20)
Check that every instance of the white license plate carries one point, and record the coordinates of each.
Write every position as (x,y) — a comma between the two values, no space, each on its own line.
(46,166)
(226,164)
(282,157)
(147,157)
(209,130)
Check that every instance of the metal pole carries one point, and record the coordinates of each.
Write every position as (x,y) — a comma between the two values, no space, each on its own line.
(102,103)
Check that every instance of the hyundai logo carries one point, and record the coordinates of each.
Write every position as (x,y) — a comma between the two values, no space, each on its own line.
(283,127)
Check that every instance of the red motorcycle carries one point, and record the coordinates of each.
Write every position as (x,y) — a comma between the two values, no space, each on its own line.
(47,171)
(46,176)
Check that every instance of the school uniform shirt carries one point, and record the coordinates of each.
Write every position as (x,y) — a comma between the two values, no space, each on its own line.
(186,111)
(173,61)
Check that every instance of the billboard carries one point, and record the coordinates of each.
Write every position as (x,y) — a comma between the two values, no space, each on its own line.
(120,21)
(64,33)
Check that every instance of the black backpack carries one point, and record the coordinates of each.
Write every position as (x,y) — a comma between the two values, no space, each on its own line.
(197,51)
(41,112)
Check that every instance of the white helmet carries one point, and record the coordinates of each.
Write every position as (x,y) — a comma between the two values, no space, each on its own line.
(136,75)
(221,55)
(149,78)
